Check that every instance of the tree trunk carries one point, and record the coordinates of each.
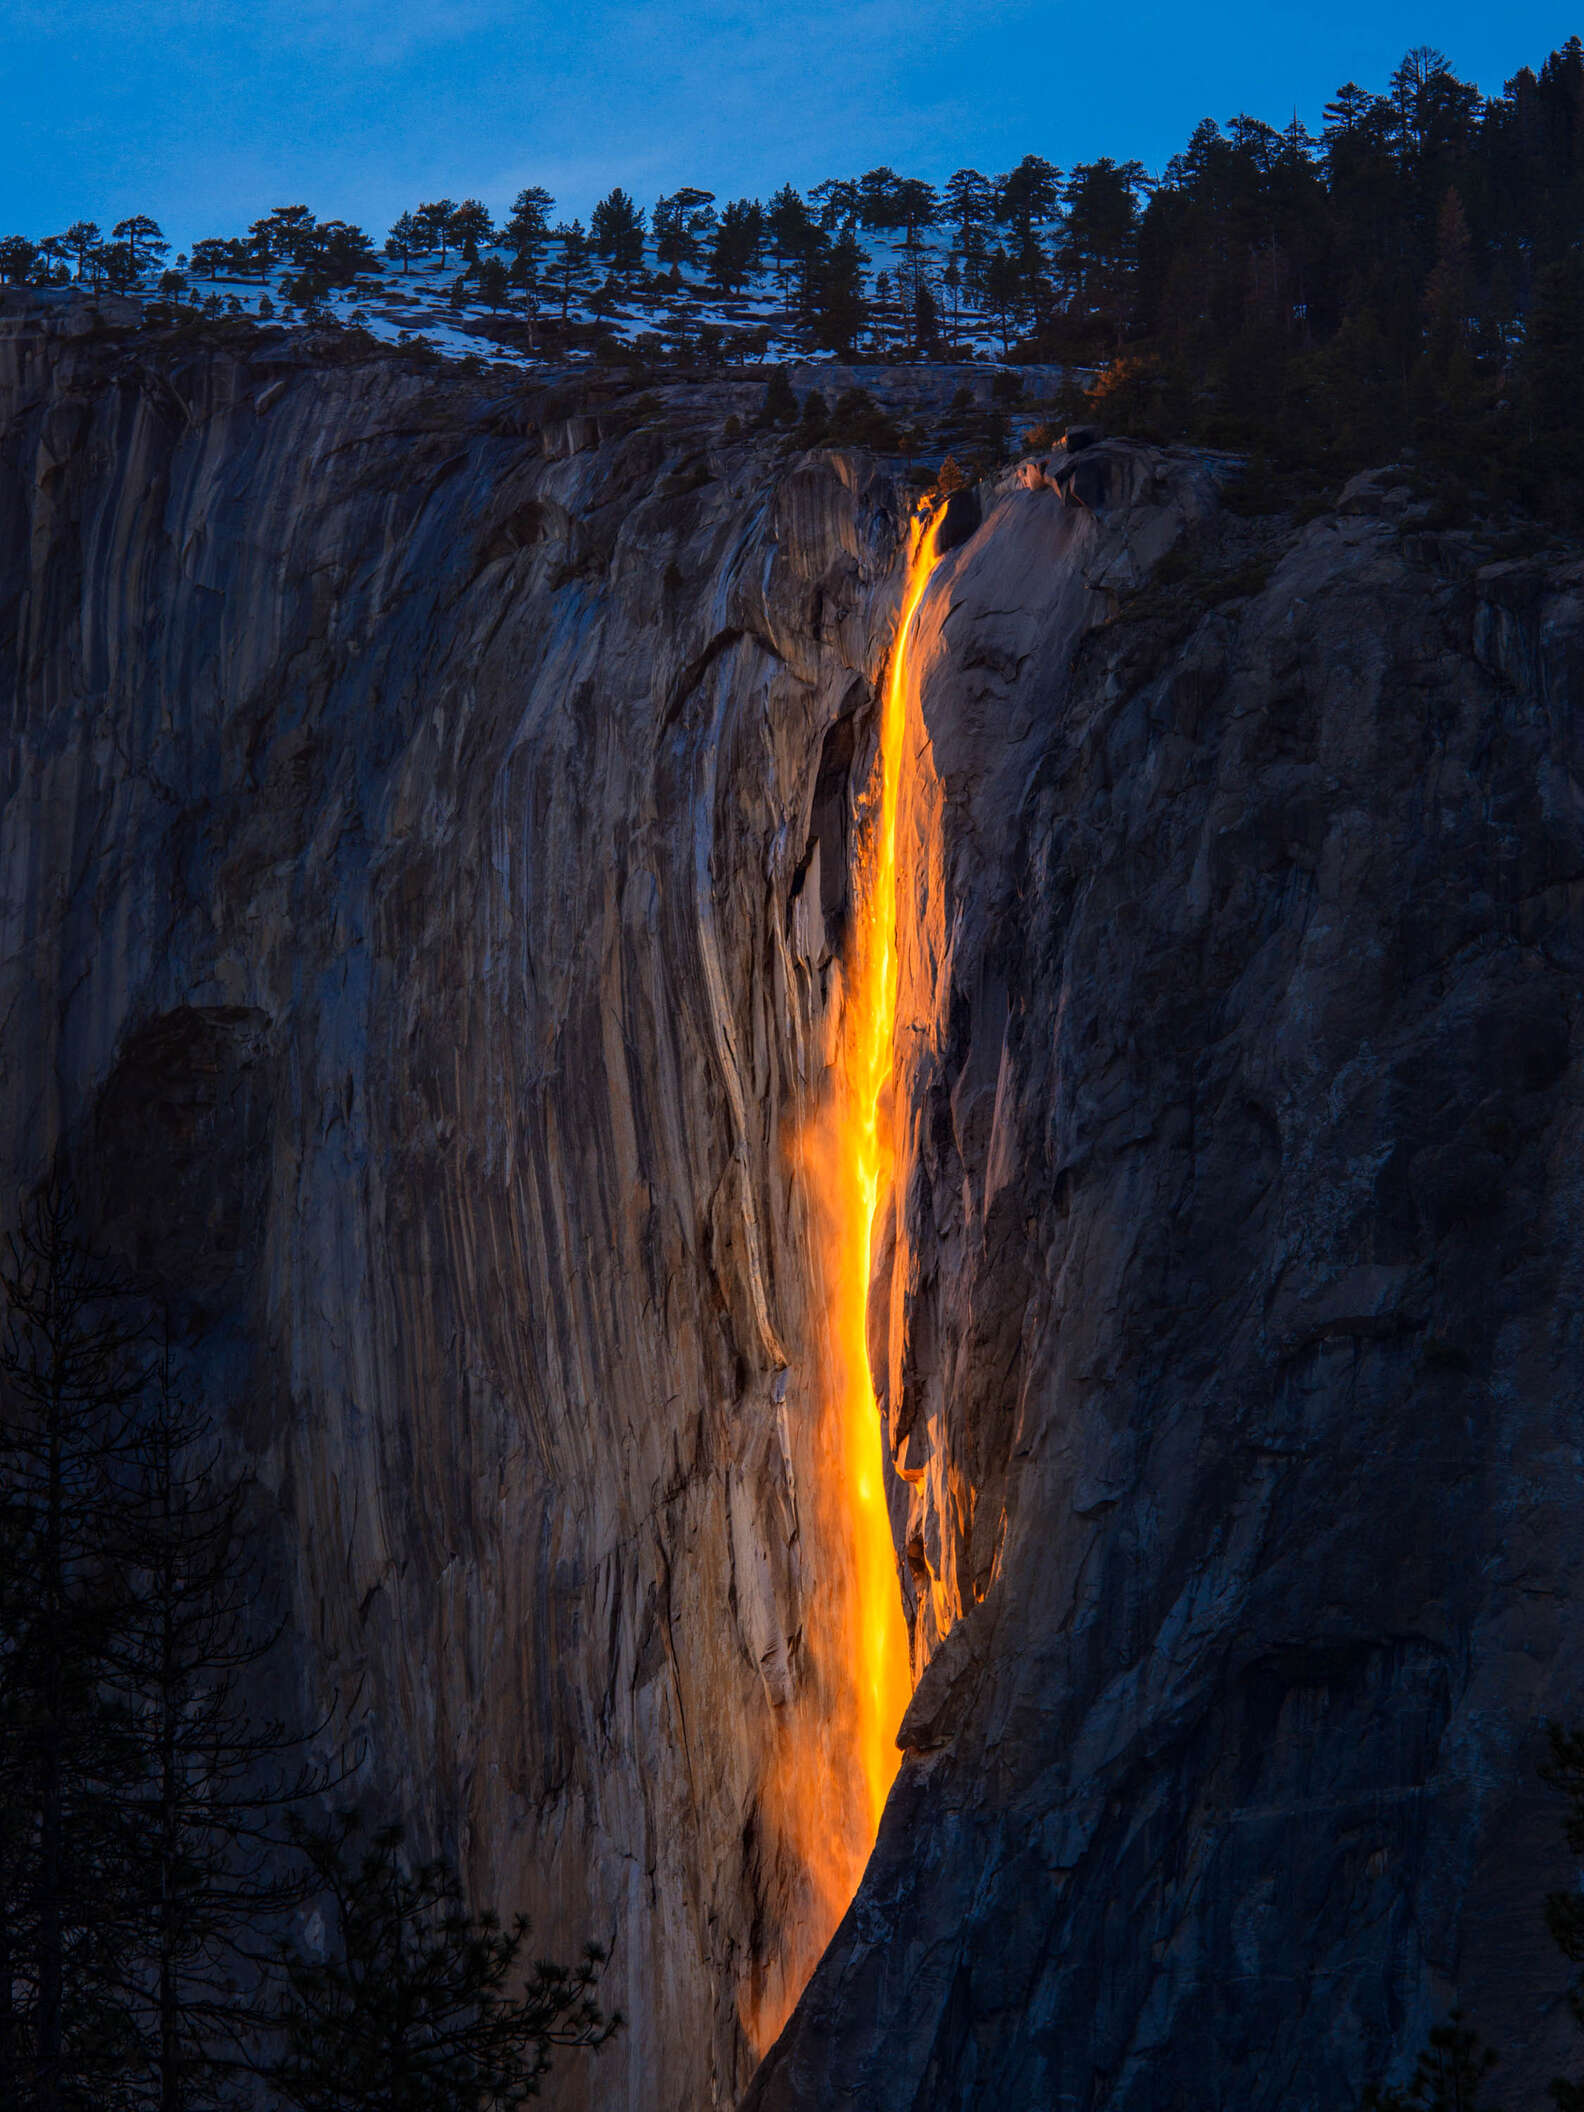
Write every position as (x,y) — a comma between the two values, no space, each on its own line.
(48,2034)
(172,2094)
(10,2079)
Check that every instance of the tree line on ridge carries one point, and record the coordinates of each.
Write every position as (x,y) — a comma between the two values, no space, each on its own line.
(1409,278)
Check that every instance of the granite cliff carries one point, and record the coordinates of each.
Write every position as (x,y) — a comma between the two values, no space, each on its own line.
(430,812)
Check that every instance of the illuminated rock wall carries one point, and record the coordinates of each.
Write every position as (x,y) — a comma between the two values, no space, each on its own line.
(426,818)
(425,824)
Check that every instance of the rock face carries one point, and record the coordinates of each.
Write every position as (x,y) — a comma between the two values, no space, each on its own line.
(1244,1224)
(410,802)
(427,819)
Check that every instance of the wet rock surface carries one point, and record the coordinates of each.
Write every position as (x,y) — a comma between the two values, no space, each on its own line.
(426,818)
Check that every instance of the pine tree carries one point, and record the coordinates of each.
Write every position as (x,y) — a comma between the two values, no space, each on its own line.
(738,238)
(140,1855)
(1026,197)
(1098,248)
(791,230)
(1003,293)
(118,262)
(780,406)
(72,1368)
(435,219)
(569,267)
(1564,1910)
(527,232)
(833,297)
(925,318)
(1548,397)
(952,281)
(880,315)
(18,259)
(916,207)
(144,238)
(681,223)
(337,251)
(471,225)
(209,255)
(616,232)
(877,207)
(285,235)
(839,202)
(417,2005)
(55,252)
(204,1872)
(1449,2076)
(81,238)
(1446,384)
(674,247)
(407,239)
(969,200)
(814,424)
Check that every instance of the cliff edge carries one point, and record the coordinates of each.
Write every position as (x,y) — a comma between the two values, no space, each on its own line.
(428,812)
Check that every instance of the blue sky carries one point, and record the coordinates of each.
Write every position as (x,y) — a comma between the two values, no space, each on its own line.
(209,112)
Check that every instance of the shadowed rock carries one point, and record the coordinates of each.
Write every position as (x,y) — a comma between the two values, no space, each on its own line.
(427,816)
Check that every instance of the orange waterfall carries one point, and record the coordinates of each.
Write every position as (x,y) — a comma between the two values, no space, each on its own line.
(861,1167)
(828,1791)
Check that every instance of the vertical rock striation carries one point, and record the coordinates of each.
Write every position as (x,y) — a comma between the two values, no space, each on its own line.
(427,818)
(425,844)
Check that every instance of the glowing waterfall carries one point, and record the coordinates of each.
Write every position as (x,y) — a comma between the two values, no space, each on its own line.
(829,1792)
